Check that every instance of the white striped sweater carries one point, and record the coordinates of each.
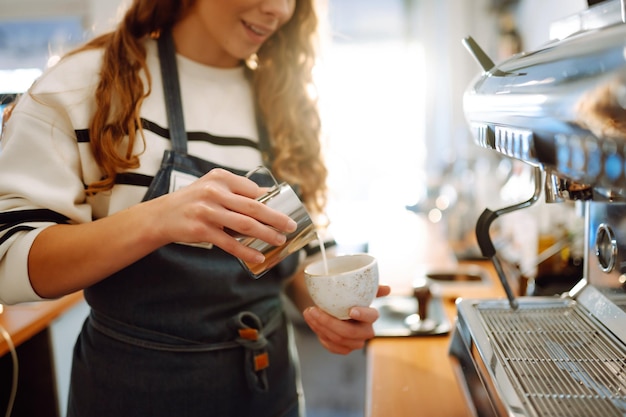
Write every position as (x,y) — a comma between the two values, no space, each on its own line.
(46,160)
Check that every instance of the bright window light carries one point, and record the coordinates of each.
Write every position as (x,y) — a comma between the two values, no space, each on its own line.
(18,80)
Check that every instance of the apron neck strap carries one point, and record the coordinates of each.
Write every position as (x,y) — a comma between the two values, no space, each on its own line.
(264,140)
(174,108)
(171,92)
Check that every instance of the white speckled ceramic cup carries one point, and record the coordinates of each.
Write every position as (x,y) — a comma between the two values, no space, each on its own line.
(352,280)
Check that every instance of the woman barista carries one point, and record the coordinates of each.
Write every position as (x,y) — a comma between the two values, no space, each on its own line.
(92,159)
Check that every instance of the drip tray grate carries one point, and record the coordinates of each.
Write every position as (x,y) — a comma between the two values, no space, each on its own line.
(558,360)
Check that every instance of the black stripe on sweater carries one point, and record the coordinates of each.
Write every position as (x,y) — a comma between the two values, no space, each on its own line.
(129,178)
(11,221)
(13,231)
(32,215)
(200,136)
(82,135)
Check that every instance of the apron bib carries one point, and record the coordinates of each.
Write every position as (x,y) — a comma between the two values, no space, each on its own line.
(185,331)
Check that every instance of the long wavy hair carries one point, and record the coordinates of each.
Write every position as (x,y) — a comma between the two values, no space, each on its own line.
(281,79)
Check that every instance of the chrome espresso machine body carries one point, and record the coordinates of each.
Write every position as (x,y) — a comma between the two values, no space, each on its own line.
(562,110)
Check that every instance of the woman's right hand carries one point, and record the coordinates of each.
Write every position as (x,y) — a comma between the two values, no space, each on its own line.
(203,211)
(68,257)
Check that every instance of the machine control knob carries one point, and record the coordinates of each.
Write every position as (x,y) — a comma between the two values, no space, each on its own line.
(606,247)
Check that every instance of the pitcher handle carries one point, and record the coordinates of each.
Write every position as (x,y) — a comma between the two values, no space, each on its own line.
(264,168)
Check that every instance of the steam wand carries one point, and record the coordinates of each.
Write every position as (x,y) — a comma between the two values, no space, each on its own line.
(484,239)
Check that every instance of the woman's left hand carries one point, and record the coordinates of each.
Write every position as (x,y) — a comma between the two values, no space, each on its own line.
(344,336)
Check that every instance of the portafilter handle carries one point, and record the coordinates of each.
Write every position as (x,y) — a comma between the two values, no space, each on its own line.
(484,239)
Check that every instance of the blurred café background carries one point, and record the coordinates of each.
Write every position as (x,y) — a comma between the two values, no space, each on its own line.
(391,77)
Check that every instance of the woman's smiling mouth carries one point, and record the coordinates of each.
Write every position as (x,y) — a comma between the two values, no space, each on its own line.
(257,30)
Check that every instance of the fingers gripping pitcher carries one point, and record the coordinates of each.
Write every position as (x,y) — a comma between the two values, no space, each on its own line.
(283,198)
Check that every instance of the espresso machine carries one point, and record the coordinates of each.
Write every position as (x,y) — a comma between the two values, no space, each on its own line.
(561,109)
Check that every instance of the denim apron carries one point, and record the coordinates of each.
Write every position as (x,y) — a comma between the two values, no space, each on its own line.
(185,331)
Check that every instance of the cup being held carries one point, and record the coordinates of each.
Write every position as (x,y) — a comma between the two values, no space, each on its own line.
(350,281)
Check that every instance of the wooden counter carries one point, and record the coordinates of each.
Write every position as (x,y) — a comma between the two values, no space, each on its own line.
(28,325)
(23,321)
(413,376)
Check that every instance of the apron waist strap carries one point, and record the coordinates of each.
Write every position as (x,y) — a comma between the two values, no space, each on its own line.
(252,337)
(149,339)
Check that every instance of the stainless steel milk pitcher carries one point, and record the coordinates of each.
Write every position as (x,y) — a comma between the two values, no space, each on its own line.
(283,198)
